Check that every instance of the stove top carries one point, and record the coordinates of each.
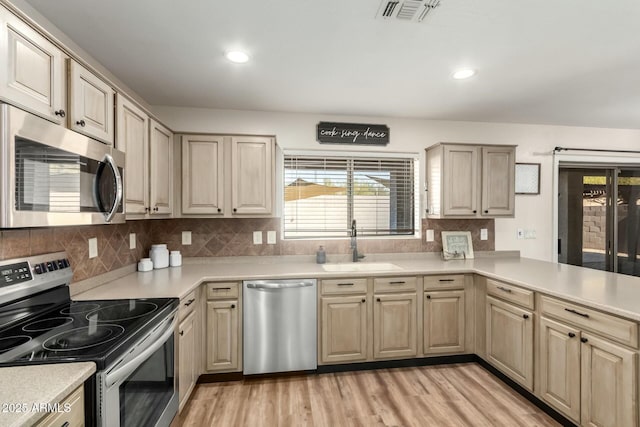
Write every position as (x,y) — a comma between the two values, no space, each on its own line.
(45,326)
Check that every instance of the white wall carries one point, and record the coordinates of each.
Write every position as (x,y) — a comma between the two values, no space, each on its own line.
(535,145)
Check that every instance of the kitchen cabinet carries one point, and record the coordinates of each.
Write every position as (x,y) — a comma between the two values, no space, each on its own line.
(223,331)
(33,76)
(470,181)
(71,413)
(133,138)
(252,168)
(344,332)
(189,347)
(510,340)
(203,174)
(444,322)
(160,169)
(395,317)
(91,104)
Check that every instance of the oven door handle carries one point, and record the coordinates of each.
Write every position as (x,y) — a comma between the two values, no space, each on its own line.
(125,370)
(112,164)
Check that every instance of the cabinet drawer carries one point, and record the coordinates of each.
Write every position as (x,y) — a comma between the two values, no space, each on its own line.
(395,284)
(187,304)
(73,412)
(444,282)
(344,286)
(611,327)
(511,293)
(223,290)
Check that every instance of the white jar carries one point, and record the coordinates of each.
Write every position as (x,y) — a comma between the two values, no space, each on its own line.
(175,259)
(159,255)
(145,264)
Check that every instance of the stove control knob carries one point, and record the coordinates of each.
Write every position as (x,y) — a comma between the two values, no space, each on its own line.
(49,266)
(60,263)
(66,263)
(37,269)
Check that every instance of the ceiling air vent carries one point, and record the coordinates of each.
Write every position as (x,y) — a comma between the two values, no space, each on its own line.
(406,10)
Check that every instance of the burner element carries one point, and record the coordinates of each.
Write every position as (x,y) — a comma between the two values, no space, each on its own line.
(124,311)
(81,338)
(47,324)
(79,308)
(8,343)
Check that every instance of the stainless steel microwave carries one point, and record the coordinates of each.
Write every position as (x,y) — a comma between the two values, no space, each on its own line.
(52,176)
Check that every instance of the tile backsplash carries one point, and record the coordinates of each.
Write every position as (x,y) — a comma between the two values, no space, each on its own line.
(209,237)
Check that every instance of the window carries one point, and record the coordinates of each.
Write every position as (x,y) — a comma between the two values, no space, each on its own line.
(323,194)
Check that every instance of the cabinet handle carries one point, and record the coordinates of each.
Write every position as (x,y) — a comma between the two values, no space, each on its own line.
(66,423)
(505,289)
(571,335)
(364,300)
(60,113)
(156,209)
(219,210)
(345,284)
(235,210)
(475,211)
(525,316)
(486,211)
(233,306)
(181,333)
(584,340)
(446,280)
(399,282)
(428,296)
(81,123)
(188,303)
(220,289)
(378,299)
(570,310)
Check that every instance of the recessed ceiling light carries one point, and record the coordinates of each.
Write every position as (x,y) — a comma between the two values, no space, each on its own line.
(237,56)
(464,74)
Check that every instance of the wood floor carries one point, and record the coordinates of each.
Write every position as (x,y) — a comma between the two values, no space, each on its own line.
(445,395)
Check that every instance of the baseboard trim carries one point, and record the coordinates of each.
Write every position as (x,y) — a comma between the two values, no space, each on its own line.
(402,363)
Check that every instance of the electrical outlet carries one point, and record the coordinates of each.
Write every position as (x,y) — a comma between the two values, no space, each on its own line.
(271,237)
(186,237)
(132,240)
(529,234)
(484,234)
(257,237)
(520,233)
(93,247)
(430,236)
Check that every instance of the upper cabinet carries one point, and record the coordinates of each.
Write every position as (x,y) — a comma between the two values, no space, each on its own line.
(32,74)
(228,176)
(470,181)
(90,104)
(160,169)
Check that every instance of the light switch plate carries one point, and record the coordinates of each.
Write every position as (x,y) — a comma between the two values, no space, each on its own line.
(132,240)
(93,247)
(484,234)
(186,237)
(430,236)
(520,233)
(271,237)
(257,237)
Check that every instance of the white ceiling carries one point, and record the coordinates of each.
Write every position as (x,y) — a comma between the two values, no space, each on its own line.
(568,62)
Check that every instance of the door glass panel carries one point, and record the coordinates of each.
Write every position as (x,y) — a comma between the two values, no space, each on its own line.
(628,222)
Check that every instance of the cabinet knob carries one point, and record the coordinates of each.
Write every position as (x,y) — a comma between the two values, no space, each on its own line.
(233,306)
(378,299)
(147,209)
(571,335)
(525,316)
(181,333)
(486,211)
(584,340)
(219,210)
(235,210)
(475,211)
(60,113)
(81,123)
(428,296)
(364,300)
(156,209)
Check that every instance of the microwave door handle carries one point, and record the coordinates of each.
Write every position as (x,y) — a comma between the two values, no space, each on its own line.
(124,371)
(112,164)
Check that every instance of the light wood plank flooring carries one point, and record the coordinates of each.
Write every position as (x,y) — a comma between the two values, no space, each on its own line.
(445,395)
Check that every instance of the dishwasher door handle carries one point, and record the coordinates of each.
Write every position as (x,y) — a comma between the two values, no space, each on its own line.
(276,285)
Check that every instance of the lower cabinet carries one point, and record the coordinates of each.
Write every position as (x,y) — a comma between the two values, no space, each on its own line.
(444,322)
(589,379)
(510,340)
(222,336)
(187,368)
(73,414)
(394,326)
(343,329)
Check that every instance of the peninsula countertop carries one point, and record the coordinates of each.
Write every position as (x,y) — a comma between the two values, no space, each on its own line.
(614,293)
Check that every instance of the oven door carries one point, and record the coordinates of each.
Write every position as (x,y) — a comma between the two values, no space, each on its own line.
(140,389)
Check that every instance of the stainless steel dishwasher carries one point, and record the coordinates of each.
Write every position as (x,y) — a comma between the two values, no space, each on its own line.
(279,325)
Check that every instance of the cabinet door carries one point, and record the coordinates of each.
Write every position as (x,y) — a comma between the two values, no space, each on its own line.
(460,180)
(510,340)
(202,174)
(90,104)
(609,384)
(343,329)
(32,72)
(560,367)
(394,326)
(187,365)
(222,335)
(498,181)
(444,322)
(251,175)
(132,137)
(160,168)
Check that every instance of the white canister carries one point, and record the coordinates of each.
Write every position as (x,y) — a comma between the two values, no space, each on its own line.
(159,255)
(175,259)
(145,264)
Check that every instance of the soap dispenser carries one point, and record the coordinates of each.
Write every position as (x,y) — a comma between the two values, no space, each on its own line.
(321,256)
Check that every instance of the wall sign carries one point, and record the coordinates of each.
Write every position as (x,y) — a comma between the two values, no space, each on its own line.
(352,133)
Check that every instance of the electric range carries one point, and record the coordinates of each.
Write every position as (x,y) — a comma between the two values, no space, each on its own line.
(131,341)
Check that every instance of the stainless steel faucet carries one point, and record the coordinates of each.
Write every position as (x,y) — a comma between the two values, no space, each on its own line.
(354,243)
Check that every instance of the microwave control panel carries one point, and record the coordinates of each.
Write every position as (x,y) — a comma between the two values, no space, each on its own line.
(15,273)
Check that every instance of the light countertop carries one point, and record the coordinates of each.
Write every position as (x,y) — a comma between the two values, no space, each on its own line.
(615,293)
(25,388)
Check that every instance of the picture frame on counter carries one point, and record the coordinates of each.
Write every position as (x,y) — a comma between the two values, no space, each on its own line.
(527,178)
(457,245)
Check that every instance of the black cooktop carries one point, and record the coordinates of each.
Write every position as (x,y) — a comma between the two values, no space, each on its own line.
(48,332)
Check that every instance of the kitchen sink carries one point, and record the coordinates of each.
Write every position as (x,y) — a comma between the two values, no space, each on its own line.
(361,266)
